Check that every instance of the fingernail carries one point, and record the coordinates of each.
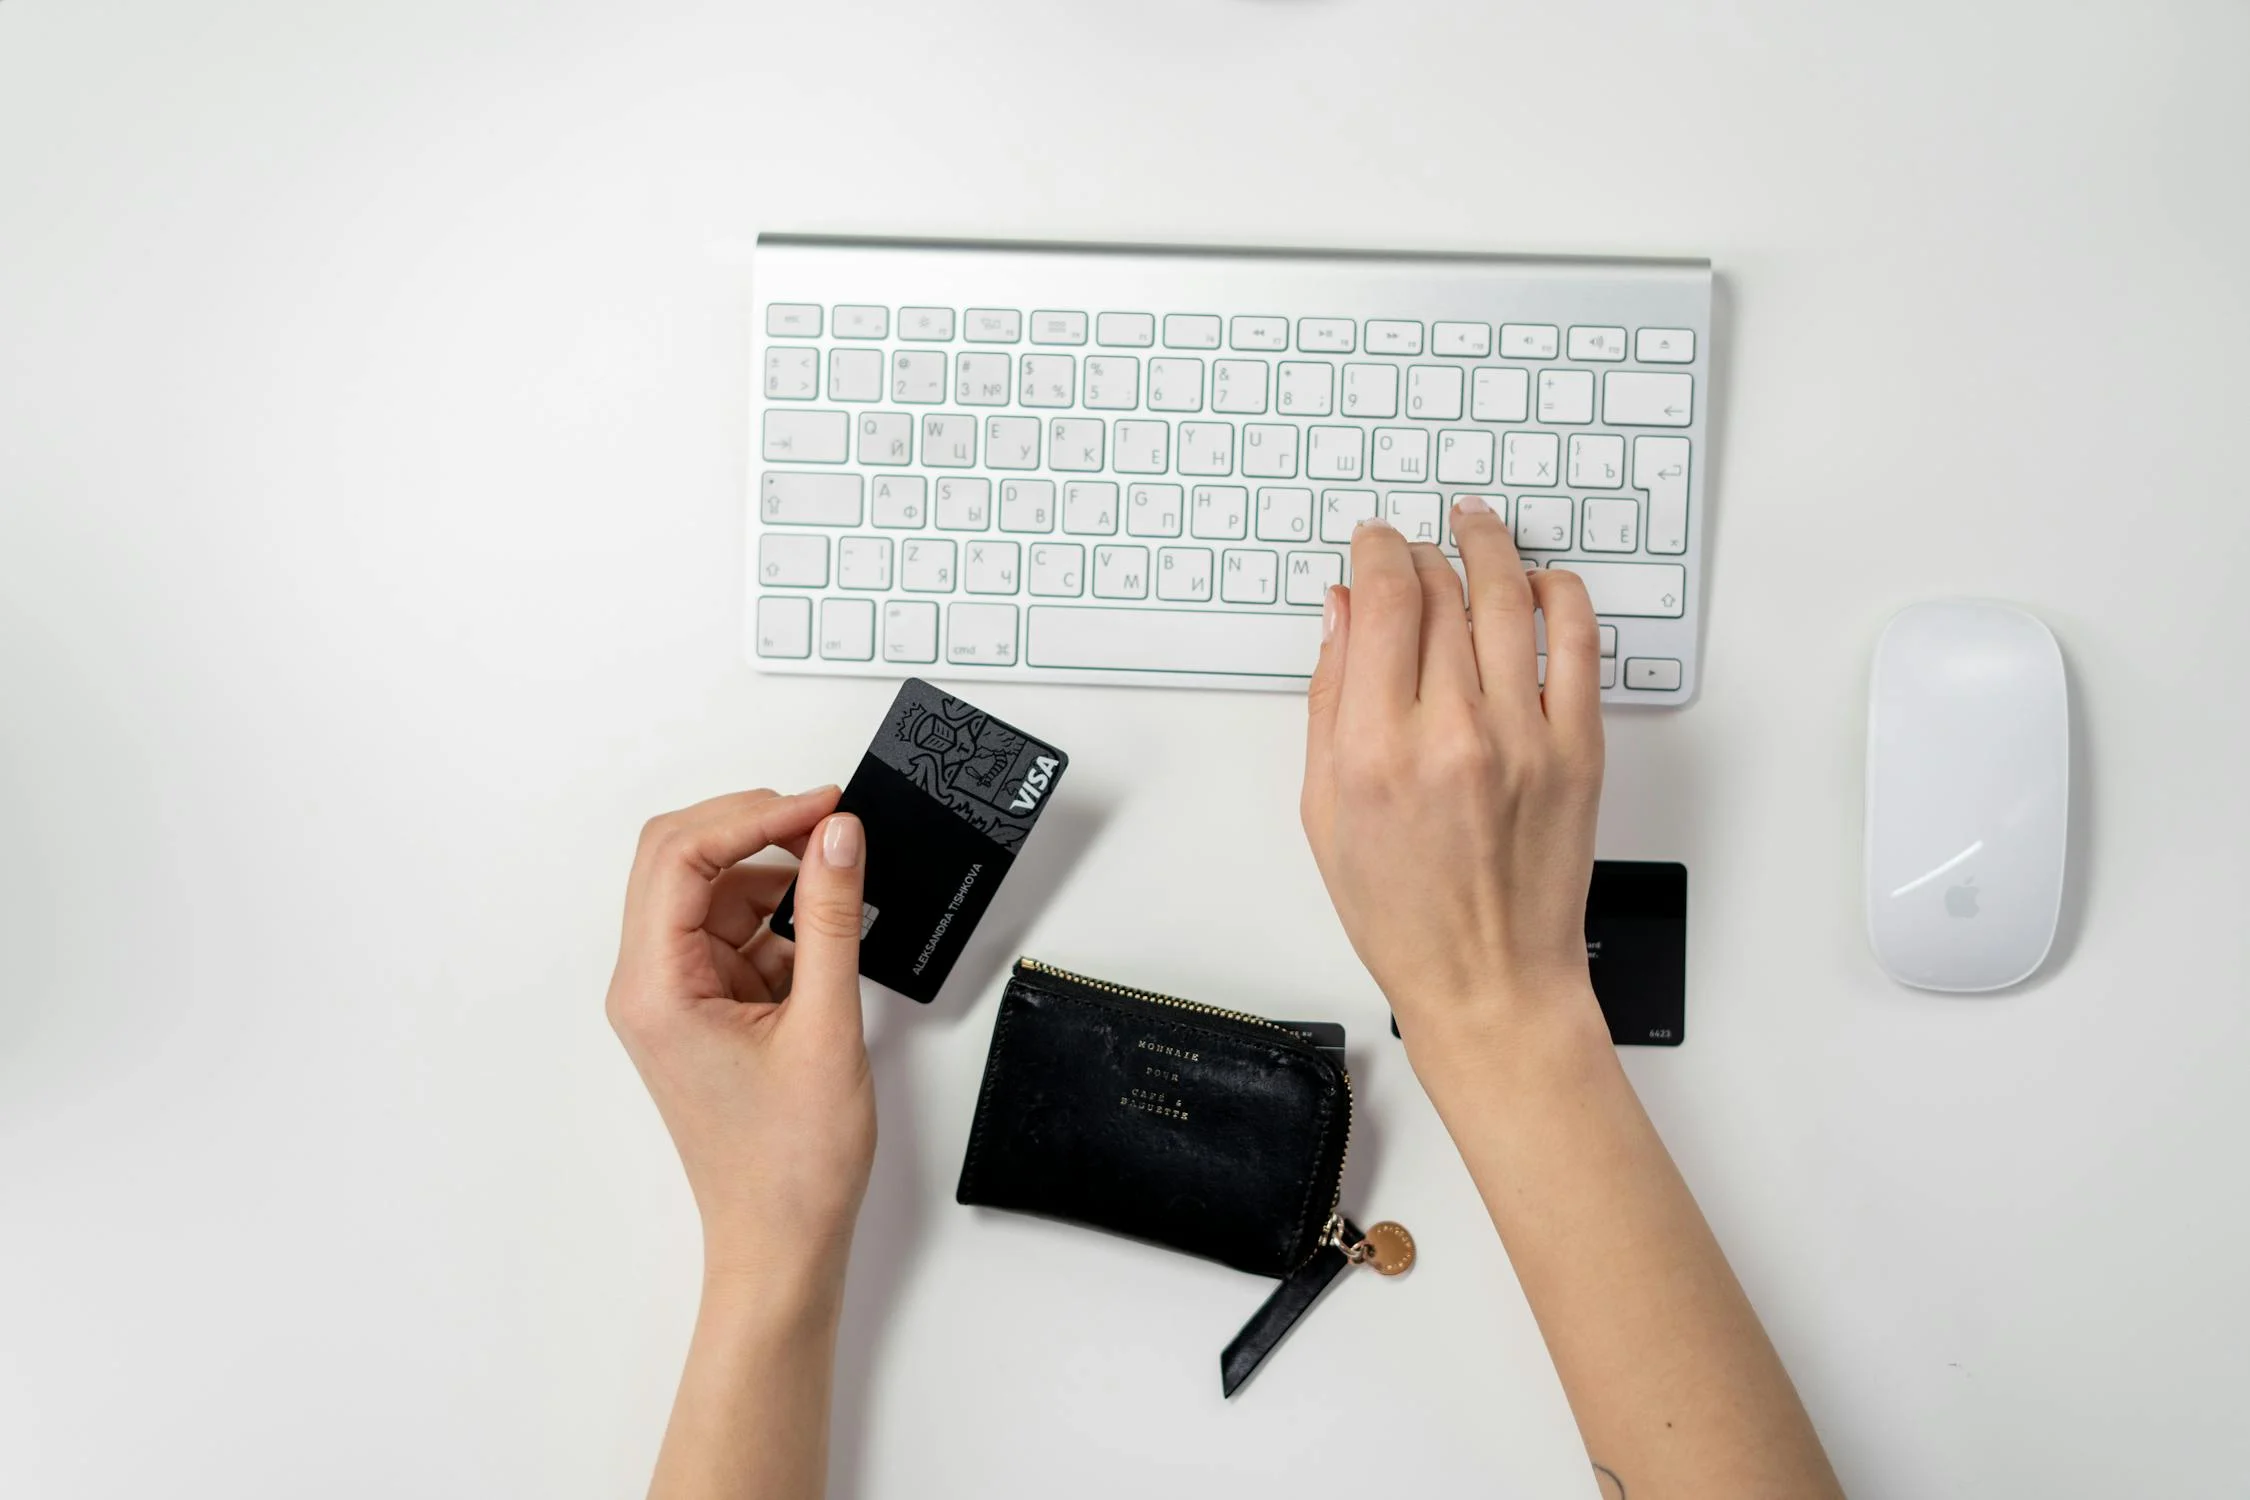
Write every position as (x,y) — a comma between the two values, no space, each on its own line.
(1471,505)
(814,791)
(1376,521)
(1328,614)
(840,845)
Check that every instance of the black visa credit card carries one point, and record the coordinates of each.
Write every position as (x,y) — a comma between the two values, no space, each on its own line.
(1636,950)
(947,794)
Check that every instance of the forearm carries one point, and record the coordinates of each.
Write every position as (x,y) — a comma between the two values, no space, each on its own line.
(1676,1389)
(751,1418)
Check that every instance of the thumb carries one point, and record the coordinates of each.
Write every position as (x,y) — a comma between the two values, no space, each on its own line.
(1321,696)
(829,886)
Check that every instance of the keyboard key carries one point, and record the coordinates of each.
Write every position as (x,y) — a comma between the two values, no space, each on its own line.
(1597,343)
(1660,466)
(855,375)
(1636,398)
(863,562)
(1543,524)
(793,559)
(885,437)
(1433,393)
(1473,340)
(1046,379)
(1058,327)
(980,635)
(1500,395)
(990,567)
(1177,385)
(1113,382)
(854,321)
(1498,504)
(1529,340)
(793,374)
(898,500)
(1309,575)
(1334,453)
(1265,334)
(949,442)
(1285,515)
(1654,590)
(1306,388)
(1609,642)
(1249,575)
(1342,510)
(963,504)
(910,630)
(1239,385)
(1198,641)
(1058,570)
(1219,512)
(1464,456)
(1269,450)
(1652,674)
(1206,448)
(1125,330)
(1090,508)
(1011,442)
(1530,458)
(918,376)
(1074,444)
(1597,461)
(1611,525)
(1371,390)
(784,627)
(1391,337)
(808,437)
(932,323)
(1326,335)
(993,325)
(1183,574)
(1664,346)
(1415,513)
(926,566)
(1191,331)
(1152,510)
(809,499)
(1027,505)
(981,379)
(793,320)
(1121,572)
(1401,454)
(1140,447)
(847,629)
(1566,396)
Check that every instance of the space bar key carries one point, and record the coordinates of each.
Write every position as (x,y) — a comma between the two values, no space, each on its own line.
(1210,642)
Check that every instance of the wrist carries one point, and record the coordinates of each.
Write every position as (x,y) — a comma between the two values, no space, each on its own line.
(1516,1040)
(775,1288)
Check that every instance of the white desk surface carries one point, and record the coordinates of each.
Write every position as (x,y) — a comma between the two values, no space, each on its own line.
(372,451)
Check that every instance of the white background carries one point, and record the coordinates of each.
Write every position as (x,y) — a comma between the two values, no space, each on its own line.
(373,384)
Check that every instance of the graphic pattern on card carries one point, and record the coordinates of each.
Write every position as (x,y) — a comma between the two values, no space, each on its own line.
(991,776)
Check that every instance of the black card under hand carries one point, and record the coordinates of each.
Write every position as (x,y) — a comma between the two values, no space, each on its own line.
(947,794)
(1636,950)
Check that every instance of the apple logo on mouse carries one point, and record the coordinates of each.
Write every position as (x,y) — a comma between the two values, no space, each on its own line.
(1961,900)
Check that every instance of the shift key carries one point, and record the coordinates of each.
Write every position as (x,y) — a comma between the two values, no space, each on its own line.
(1654,590)
(809,499)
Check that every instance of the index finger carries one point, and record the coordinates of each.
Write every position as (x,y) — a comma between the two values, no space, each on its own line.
(682,853)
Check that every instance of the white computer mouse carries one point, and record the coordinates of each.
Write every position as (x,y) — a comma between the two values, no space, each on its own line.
(1968,795)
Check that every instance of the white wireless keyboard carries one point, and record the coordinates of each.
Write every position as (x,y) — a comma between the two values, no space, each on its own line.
(1090,464)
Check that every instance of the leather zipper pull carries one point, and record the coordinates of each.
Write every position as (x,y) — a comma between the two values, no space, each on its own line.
(1387,1249)
(1291,1300)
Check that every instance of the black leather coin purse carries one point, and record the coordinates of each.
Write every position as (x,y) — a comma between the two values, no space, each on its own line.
(1207,1131)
